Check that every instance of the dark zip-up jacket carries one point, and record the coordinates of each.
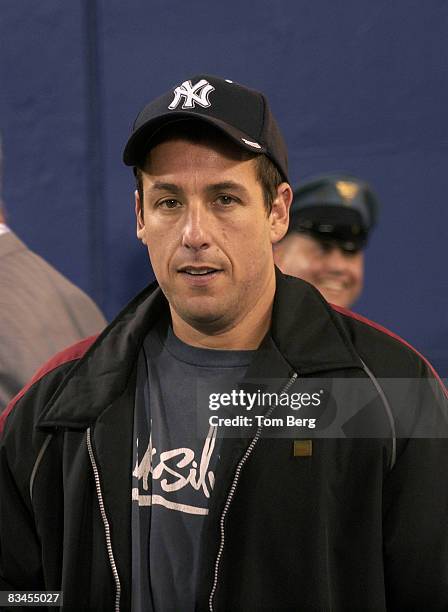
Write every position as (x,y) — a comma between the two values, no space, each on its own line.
(358,525)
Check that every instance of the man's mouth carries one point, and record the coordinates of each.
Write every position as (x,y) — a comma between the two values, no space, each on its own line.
(198,270)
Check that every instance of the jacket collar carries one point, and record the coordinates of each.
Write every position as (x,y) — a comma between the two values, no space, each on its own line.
(306,331)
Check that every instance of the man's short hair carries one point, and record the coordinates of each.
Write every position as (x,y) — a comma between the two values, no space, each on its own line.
(198,132)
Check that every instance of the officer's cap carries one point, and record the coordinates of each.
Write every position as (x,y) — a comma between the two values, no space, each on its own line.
(337,207)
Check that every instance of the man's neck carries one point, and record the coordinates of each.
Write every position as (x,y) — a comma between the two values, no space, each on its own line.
(245,334)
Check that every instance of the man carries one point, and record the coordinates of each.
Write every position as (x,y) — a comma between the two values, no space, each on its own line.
(41,312)
(331,217)
(252,521)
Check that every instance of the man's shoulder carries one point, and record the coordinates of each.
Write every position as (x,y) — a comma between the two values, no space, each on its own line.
(47,378)
(391,354)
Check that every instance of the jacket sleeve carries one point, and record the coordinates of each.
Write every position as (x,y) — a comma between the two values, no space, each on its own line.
(20,444)
(20,554)
(24,564)
(415,501)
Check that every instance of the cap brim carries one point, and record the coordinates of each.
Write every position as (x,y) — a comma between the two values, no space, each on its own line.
(337,215)
(341,236)
(139,143)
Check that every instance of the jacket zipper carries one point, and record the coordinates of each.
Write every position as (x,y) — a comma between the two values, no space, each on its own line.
(231,494)
(105,522)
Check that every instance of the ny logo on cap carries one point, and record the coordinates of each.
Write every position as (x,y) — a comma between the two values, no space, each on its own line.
(192,94)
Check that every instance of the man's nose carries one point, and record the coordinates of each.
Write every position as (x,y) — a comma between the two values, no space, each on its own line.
(195,232)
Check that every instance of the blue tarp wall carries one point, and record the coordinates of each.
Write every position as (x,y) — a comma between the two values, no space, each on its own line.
(356,85)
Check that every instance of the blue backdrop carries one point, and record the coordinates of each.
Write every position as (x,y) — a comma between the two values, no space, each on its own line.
(357,86)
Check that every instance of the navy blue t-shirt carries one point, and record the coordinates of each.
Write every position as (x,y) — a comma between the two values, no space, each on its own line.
(174,466)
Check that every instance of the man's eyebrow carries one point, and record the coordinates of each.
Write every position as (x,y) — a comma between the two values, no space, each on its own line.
(161,186)
(226,186)
(212,188)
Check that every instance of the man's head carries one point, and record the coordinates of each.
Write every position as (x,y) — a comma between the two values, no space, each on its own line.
(209,205)
(331,217)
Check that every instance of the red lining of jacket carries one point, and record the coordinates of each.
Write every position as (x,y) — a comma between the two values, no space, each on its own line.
(386,331)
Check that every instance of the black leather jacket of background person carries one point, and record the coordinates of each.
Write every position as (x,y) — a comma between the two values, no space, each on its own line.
(360,525)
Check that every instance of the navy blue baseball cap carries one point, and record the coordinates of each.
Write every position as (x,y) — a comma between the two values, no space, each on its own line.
(338,207)
(241,113)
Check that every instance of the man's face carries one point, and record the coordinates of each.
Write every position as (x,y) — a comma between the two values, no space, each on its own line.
(207,231)
(337,274)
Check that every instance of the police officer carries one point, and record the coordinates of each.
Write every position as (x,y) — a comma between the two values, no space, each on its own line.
(330,220)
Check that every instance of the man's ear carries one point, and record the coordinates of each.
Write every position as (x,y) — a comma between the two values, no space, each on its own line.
(279,215)
(140,218)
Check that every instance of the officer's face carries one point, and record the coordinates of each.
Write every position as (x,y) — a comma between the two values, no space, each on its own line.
(208,233)
(336,273)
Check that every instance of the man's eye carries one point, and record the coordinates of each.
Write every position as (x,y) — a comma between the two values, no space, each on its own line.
(225,200)
(168,204)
